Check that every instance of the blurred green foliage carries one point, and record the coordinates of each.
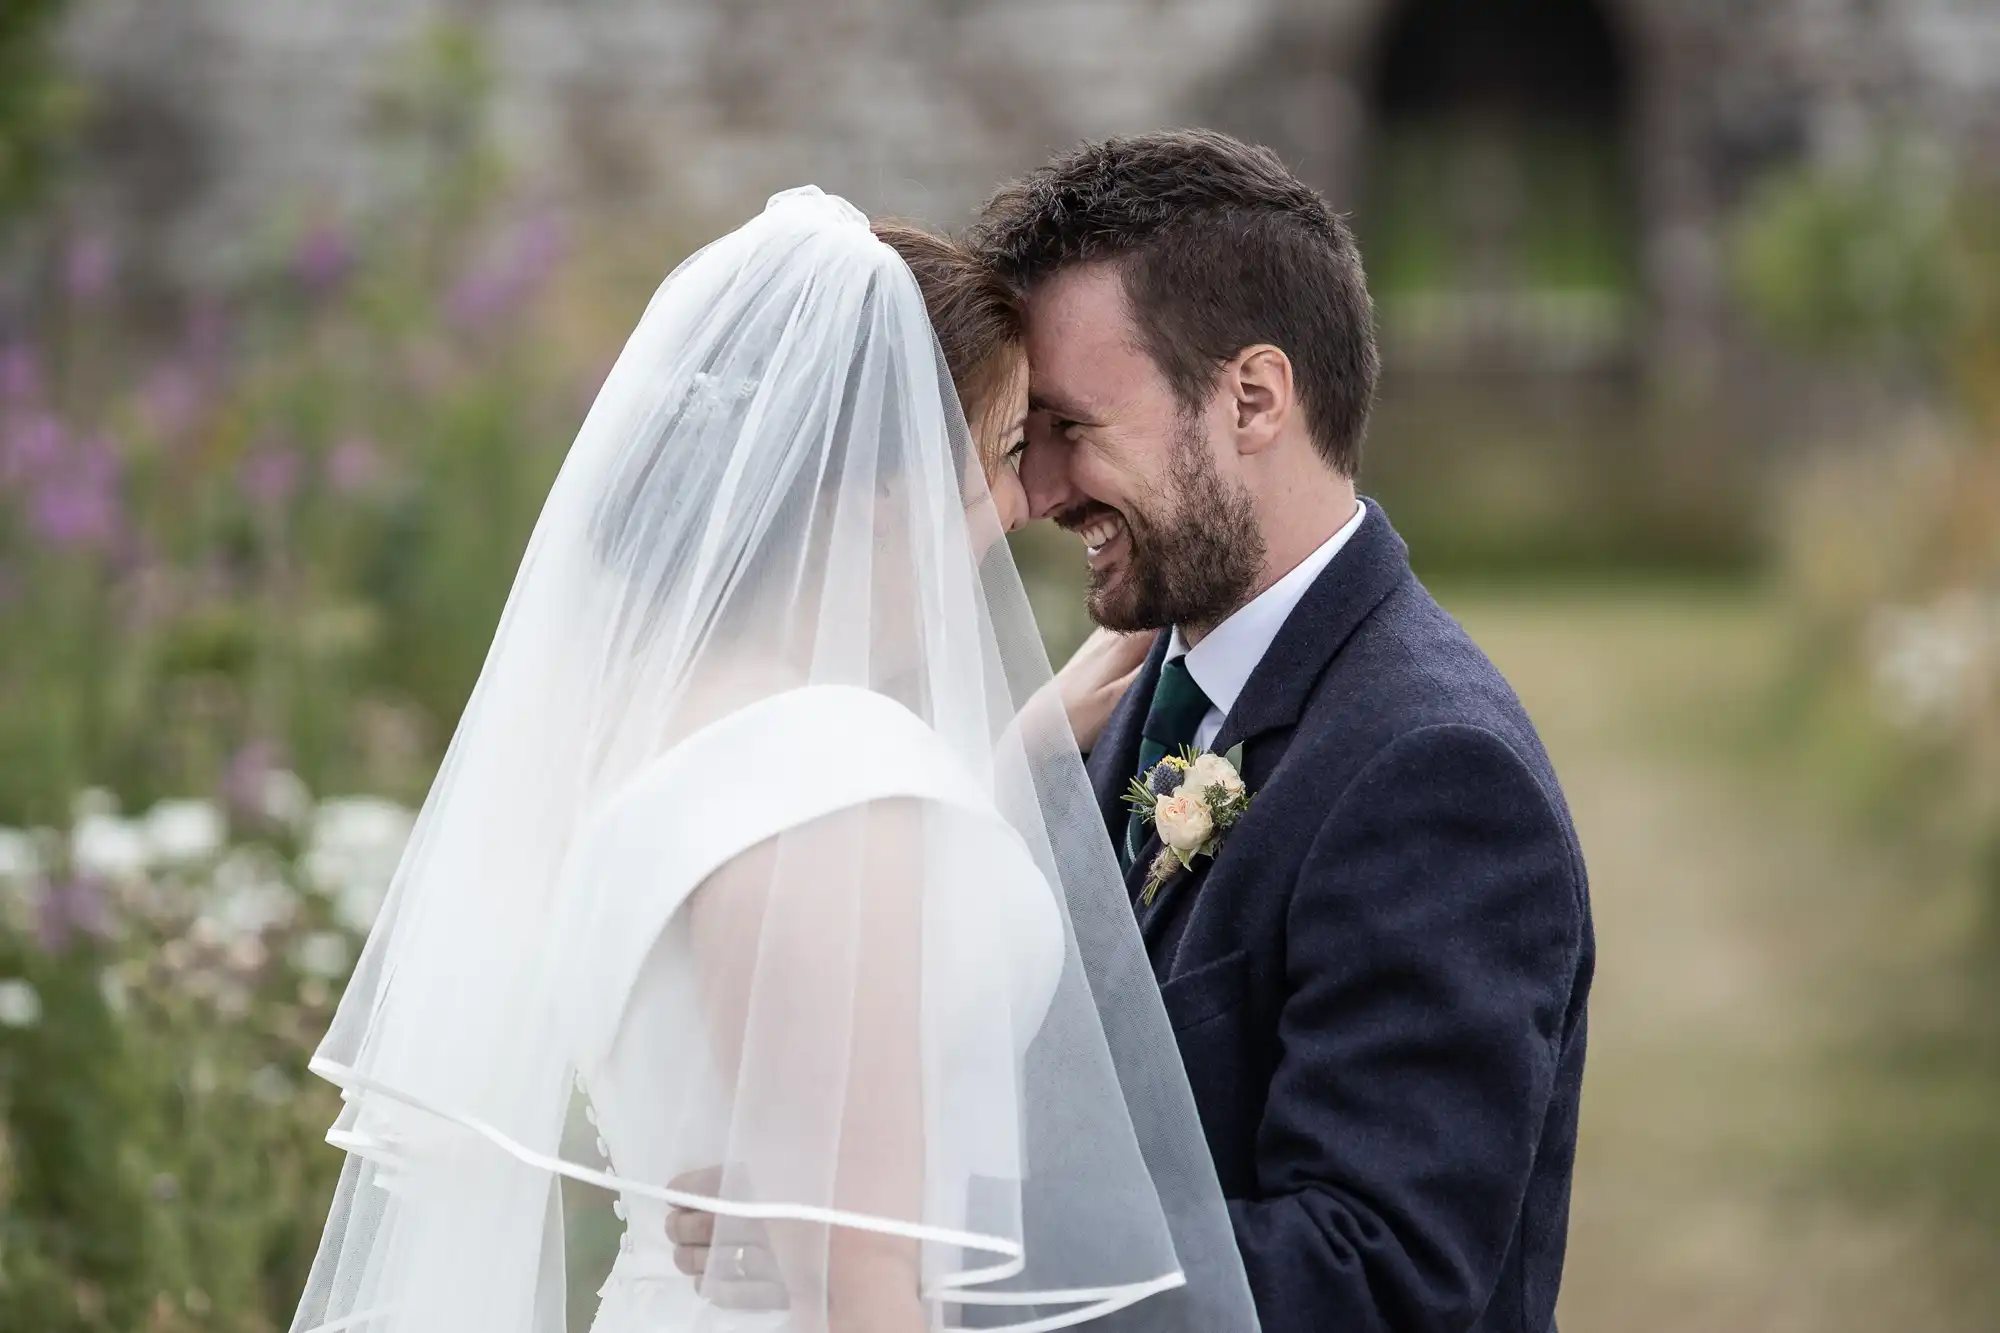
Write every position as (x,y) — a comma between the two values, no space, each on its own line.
(37,104)
(161,1163)
(1890,545)
(1856,261)
(1542,207)
(276,541)
(293,526)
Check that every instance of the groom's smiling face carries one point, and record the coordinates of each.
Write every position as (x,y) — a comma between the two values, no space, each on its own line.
(1114,456)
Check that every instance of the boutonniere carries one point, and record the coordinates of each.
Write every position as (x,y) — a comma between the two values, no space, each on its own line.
(1193,799)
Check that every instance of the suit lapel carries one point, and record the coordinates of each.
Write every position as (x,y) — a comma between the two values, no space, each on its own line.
(1372,565)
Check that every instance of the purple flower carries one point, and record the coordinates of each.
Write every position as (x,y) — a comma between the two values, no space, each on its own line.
(488,291)
(1165,779)
(20,374)
(271,476)
(322,259)
(75,504)
(171,399)
(69,908)
(31,446)
(72,517)
(354,466)
(89,268)
(479,297)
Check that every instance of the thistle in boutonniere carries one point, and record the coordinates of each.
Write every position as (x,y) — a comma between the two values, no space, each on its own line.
(1193,798)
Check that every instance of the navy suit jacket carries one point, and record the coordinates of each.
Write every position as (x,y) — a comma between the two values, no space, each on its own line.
(1378,984)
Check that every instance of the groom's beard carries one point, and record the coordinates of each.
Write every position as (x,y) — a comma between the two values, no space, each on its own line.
(1194,567)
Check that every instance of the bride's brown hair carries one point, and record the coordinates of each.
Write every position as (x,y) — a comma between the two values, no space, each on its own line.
(976,314)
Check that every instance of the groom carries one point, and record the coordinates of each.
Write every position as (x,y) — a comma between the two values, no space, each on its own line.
(1378,982)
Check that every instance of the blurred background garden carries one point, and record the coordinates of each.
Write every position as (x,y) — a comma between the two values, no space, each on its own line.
(1692,413)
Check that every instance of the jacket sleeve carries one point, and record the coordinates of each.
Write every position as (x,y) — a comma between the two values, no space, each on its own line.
(1432,943)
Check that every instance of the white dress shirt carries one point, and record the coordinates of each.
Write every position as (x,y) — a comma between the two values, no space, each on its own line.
(1222,662)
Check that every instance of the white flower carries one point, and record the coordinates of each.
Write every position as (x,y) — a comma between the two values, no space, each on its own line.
(1928,662)
(107,847)
(19,858)
(250,896)
(20,1003)
(181,832)
(1184,822)
(1212,770)
(323,953)
(283,798)
(111,986)
(352,851)
(270,1086)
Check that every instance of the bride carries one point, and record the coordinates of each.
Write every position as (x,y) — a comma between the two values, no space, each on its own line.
(762,880)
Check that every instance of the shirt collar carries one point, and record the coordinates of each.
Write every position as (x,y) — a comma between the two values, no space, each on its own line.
(1222,662)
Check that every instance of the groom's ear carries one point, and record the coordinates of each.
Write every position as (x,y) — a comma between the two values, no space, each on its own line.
(1259,382)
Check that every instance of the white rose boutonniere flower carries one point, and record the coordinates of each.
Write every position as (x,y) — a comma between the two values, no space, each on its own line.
(1184,822)
(1192,799)
(1212,770)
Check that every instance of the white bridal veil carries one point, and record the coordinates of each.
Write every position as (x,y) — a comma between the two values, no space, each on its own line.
(762,847)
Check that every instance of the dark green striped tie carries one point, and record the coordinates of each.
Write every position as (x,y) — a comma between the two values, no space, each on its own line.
(1171,721)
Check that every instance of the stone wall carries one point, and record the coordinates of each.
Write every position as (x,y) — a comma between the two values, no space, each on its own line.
(221,111)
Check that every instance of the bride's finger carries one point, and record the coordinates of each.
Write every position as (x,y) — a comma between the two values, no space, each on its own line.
(687,1227)
(691,1259)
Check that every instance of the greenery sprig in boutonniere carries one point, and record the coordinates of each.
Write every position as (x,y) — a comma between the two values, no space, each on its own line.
(1193,798)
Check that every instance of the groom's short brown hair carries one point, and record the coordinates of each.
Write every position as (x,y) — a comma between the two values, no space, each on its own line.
(1222,248)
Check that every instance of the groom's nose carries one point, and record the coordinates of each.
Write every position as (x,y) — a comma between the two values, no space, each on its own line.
(1045,471)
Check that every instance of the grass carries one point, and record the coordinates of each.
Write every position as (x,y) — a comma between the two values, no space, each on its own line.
(1792,1110)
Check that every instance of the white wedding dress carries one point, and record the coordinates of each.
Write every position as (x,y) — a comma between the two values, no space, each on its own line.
(642,1052)
(853,934)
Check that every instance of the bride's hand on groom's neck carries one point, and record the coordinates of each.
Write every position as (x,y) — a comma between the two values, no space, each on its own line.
(1096,677)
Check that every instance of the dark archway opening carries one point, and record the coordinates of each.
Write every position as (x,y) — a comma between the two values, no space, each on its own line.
(1499,218)
(1497,207)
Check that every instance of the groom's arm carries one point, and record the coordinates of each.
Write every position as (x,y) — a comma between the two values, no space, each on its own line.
(1432,942)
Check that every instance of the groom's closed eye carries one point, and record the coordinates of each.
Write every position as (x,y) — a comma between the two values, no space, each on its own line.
(1050,428)
(1060,410)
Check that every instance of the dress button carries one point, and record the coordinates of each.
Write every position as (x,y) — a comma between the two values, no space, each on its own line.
(618,1209)
(590,1114)
(625,1245)
(603,1148)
